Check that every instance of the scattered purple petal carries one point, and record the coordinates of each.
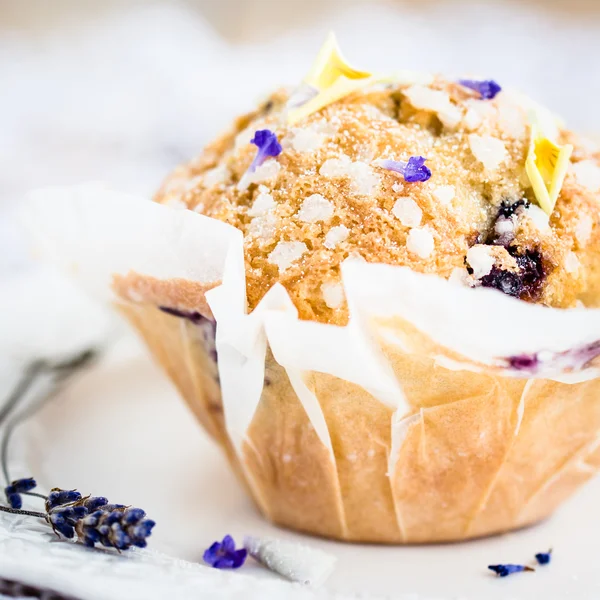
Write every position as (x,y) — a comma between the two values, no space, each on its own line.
(223,555)
(506,570)
(544,558)
(568,361)
(413,171)
(268,145)
(488,89)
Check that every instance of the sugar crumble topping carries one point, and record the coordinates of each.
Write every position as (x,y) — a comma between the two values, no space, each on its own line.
(336,235)
(408,212)
(435,101)
(488,150)
(262,205)
(538,217)
(420,242)
(265,172)
(583,230)
(286,253)
(481,260)
(315,208)
(333,294)
(444,194)
(587,173)
(572,263)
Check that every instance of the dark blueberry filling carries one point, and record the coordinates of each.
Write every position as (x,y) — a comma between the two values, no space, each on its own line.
(527,284)
(193,316)
(508,209)
(506,281)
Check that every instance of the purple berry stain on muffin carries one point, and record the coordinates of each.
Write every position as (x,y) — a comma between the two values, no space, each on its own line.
(413,171)
(571,360)
(268,146)
(488,89)
(206,327)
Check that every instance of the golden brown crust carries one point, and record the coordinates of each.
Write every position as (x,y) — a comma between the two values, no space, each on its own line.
(361,129)
(179,294)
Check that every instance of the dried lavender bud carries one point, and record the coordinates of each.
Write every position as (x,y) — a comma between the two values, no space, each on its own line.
(543,558)
(506,570)
(64,519)
(16,488)
(94,502)
(13,498)
(58,497)
(118,527)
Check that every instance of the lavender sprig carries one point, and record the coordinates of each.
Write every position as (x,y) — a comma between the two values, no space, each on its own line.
(95,520)
(118,528)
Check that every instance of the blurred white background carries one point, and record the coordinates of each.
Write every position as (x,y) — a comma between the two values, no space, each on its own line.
(122,90)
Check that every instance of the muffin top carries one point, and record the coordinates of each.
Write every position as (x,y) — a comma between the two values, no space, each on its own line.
(418,171)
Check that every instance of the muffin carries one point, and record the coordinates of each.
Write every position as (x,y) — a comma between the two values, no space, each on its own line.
(400,343)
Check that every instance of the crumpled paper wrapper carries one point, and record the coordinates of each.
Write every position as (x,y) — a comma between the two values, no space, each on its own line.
(438,413)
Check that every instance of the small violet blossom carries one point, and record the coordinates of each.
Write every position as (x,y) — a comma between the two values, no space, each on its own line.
(488,89)
(506,570)
(268,145)
(543,558)
(413,171)
(223,555)
(16,488)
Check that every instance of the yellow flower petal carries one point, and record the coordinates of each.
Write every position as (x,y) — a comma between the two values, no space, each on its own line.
(330,65)
(546,167)
(333,77)
(341,88)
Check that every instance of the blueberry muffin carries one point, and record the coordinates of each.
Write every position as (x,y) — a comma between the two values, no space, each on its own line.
(361,423)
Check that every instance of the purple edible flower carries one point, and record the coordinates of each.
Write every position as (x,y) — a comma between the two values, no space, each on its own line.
(223,555)
(488,89)
(414,170)
(506,570)
(544,558)
(266,142)
(16,488)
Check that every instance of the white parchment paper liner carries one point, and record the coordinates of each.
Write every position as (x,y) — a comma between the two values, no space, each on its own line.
(97,233)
